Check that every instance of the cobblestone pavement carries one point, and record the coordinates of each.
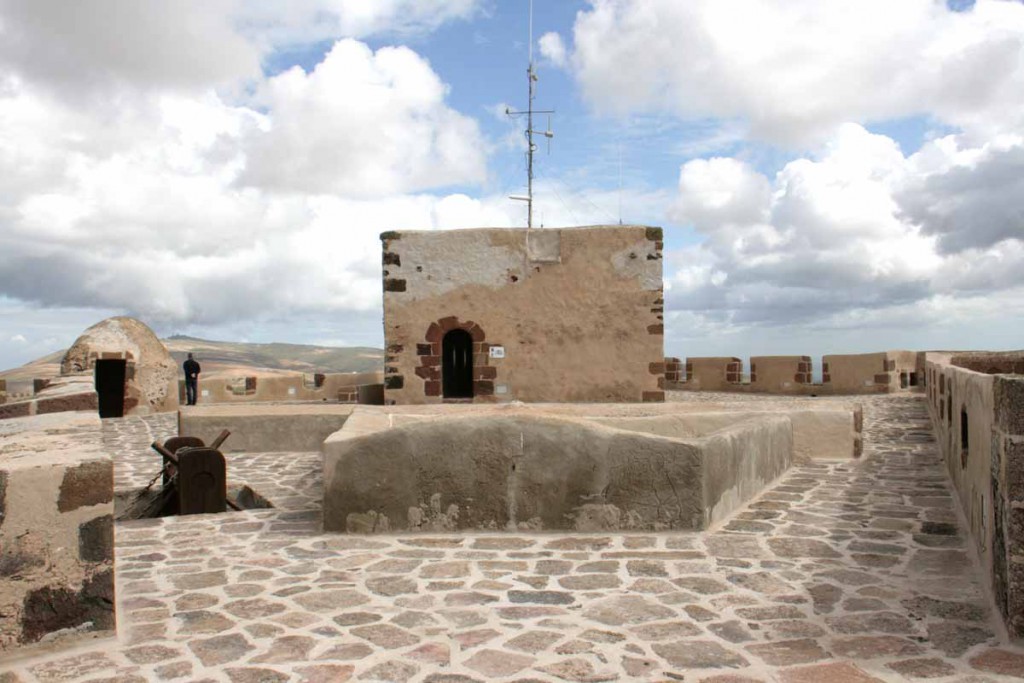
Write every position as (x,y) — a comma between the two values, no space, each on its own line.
(841,572)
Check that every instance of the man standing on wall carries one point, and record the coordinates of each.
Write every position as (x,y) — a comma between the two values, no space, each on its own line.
(191,379)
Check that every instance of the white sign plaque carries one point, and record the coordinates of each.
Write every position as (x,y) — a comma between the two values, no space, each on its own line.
(497,352)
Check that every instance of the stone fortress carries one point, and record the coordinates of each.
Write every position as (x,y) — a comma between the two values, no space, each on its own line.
(528,491)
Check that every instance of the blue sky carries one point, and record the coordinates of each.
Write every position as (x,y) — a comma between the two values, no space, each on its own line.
(828,182)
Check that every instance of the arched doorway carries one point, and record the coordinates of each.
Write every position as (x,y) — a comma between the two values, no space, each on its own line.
(457,364)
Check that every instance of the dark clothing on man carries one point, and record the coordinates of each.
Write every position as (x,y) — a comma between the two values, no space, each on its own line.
(191,380)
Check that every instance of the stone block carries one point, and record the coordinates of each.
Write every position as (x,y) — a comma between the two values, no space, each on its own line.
(90,483)
(653,397)
(55,608)
(19,409)
(394,382)
(1009,404)
(1015,597)
(393,284)
(86,401)
(96,540)
(1013,449)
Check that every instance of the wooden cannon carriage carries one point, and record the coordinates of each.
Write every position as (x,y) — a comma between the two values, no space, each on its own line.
(194,479)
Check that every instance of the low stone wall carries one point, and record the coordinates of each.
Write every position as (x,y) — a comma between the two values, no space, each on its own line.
(675,372)
(524,470)
(67,394)
(713,374)
(340,387)
(56,529)
(780,374)
(259,428)
(979,423)
(868,373)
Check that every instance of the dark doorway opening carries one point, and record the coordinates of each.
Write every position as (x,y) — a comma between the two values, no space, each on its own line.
(457,364)
(965,442)
(110,386)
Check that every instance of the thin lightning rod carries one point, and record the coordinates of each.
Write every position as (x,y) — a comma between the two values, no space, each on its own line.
(529,131)
(531,76)
(531,33)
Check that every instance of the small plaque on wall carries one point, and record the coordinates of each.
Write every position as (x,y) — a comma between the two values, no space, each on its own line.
(497,352)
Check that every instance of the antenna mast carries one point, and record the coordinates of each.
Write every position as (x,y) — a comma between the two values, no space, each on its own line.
(531,75)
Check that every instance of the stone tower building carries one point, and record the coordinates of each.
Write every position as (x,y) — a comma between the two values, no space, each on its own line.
(494,315)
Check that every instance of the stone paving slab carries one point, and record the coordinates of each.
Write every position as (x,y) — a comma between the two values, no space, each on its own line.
(853,571)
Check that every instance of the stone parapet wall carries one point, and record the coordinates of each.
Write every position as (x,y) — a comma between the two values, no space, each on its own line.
(340,387)
(870,373)
(780,374)
(675,372)
(719,373)
(65,395)
(979,423)
(56,529)
(261,428)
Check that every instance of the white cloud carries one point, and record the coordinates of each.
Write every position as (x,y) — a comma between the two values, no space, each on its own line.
(79,46)
(552,48)
(307,21)
(968,196)
(796,70)
(362,124)
(833,235)
(185,204)
(87,46)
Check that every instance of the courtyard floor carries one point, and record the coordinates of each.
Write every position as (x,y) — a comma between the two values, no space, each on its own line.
(840,572)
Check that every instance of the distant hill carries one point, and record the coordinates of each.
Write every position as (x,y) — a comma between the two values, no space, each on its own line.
(221,358)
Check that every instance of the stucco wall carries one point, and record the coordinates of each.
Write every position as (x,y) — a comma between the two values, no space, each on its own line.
(575,314)
(56,529)
(986,411)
